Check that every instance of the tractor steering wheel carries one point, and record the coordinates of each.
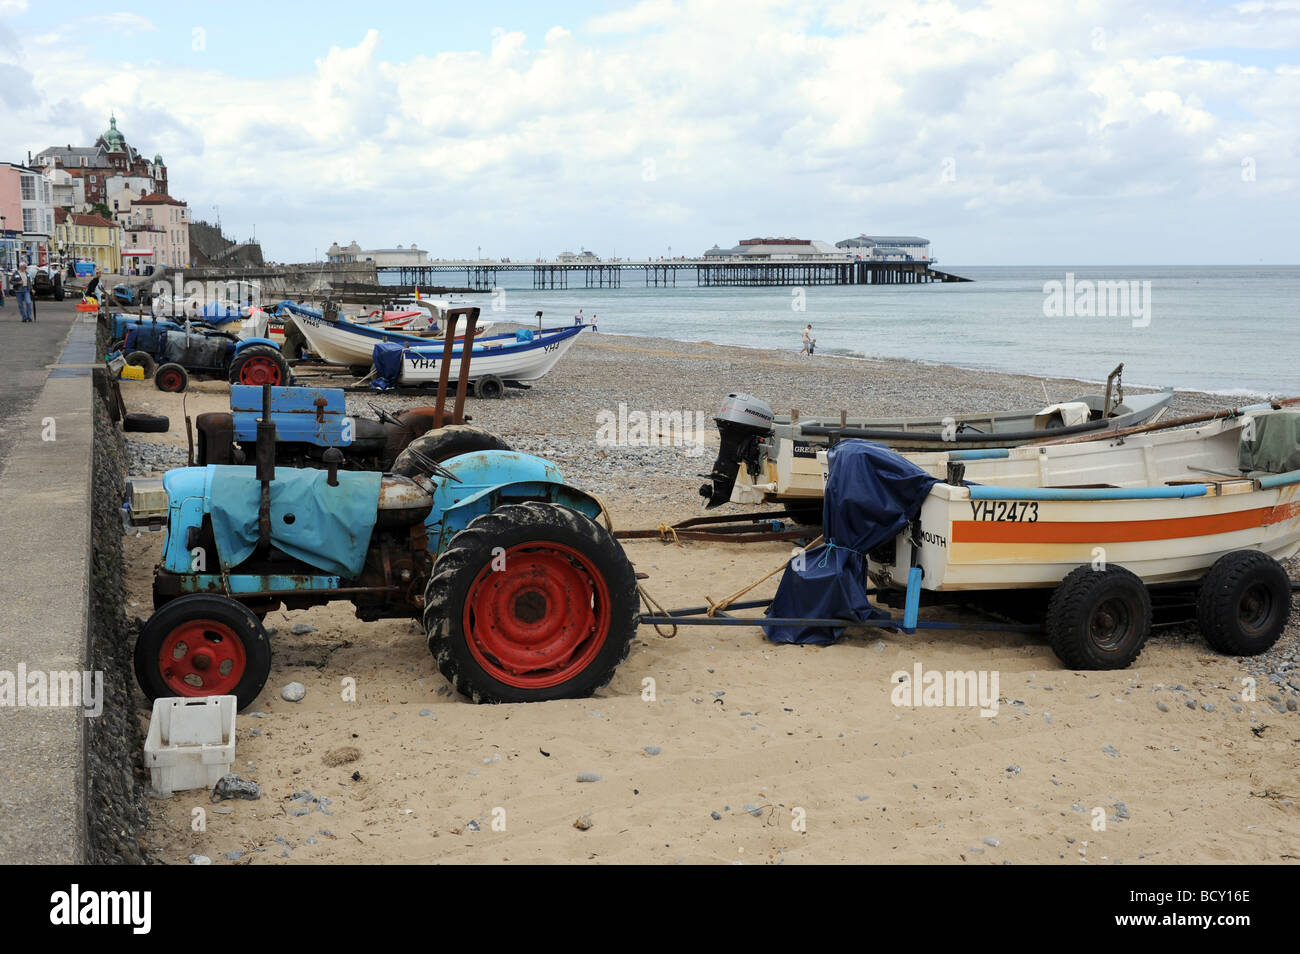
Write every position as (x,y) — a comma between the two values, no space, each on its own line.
(429,468)
(383,415)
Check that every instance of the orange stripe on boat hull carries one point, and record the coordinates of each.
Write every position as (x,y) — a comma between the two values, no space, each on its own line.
(1119,531)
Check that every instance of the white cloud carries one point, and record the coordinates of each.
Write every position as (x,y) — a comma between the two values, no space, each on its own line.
(686,124)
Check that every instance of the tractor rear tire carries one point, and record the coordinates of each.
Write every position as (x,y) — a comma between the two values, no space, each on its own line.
(171,378)
(258,365)
(203,645)
(529,603)
(1099,619)
(142,359)
(444,443)
(489,387)
(58,289)
(1244,603)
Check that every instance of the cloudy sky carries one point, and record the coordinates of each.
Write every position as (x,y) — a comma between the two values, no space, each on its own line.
(1090,132)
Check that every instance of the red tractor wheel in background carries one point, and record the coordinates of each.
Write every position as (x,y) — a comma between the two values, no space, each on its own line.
(172,378)
(258,365)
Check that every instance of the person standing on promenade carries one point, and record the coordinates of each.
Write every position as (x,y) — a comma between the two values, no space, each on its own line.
(577,319)
(807,341)
(22,285)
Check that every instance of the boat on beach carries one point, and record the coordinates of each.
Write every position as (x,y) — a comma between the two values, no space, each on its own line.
(768,458)
(506,358)
(340,341)
(1165,505)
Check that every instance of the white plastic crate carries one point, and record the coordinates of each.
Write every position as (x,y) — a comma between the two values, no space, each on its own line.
(191,742)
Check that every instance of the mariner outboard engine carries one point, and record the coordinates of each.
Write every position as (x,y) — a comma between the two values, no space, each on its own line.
(742,422)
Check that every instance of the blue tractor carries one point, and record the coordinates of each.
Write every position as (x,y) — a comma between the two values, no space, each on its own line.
(171,352)
(523,592)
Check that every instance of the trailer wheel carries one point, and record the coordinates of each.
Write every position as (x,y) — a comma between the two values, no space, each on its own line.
(203,645)
(58,289)
(444,443)
(1099,619)
(531,602)
(172,378)
(258,365)
(1244,603)
(489,387)
(142,359)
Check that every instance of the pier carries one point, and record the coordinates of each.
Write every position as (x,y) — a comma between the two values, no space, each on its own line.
(708,273)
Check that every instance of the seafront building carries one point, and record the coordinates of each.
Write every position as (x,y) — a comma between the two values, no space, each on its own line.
(381,257)
(104,167)
(85,237)
(26,214)
(887,248)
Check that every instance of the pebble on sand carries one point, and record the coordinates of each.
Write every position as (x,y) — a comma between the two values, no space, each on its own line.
(232,786)
(583,822)
(293,692)
(589,777)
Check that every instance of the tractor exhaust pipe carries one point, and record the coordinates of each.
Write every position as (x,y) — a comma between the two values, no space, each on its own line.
(265,466)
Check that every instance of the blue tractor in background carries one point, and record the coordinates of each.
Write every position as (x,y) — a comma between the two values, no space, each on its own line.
(523,591)
(171,352)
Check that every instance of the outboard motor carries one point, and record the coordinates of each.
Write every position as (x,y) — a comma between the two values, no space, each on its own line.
(742,422)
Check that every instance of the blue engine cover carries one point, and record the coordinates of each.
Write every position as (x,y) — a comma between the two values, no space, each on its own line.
(295,414)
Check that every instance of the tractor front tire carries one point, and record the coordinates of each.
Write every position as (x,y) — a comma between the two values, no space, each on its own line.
(171,378)
(258,365)
(1099,619)
(142,359)
(1244,603)
(444,443)
(203,645)
(529,603)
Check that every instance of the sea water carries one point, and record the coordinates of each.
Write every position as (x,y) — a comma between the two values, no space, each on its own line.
(1227,329)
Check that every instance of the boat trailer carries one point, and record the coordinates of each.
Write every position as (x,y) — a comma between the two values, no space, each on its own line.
(717,614)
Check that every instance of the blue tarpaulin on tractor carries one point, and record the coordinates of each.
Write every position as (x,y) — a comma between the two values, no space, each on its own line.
(326,527)
(387,358)
(872,493)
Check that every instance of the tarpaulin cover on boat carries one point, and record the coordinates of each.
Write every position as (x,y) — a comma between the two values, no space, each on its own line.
(325,527)
(387,357)
(872,493)
(1275,448)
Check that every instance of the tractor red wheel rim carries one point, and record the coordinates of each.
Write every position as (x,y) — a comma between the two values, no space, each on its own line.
(202,657)
(259,371)
(171,380)
(539,617)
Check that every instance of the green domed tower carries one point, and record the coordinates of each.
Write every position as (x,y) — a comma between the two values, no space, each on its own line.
(113,140)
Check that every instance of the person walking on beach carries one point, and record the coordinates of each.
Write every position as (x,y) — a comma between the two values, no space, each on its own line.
(22,286)
(593,323)
(807,341)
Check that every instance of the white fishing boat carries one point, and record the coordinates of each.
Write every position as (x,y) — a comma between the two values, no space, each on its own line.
(768,458)
(345,342)
(1164,505)
(500,359)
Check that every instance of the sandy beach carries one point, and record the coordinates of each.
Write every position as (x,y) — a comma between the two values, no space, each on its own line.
(716,746)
